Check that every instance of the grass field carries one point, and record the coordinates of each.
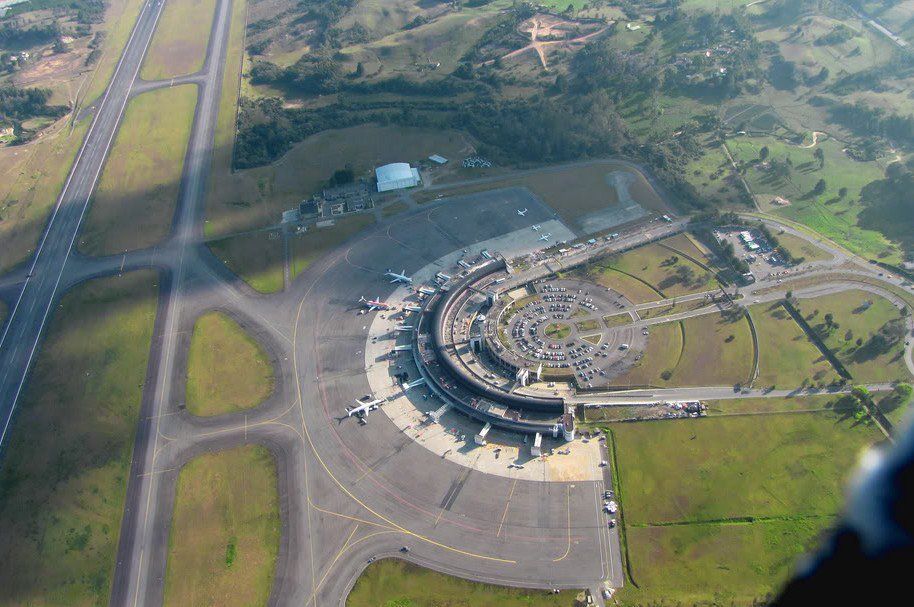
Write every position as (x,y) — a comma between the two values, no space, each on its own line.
(395,583)
(256,257)
(310,246)
(632,288)
(829,213)
(663,352)
(31,178)
(133,206)
(225,531)
(179,44)
(256,198)
(857,319)
(717,352)
(665,271)
(227,370)
(64,472)
(800,247)
(786,356)
(695,506)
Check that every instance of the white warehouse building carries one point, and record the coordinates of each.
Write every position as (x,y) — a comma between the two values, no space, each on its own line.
(396,176)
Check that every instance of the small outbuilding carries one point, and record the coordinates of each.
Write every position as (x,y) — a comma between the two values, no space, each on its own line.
(396,176)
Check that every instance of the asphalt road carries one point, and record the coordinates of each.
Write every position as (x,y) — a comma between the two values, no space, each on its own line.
(348,493)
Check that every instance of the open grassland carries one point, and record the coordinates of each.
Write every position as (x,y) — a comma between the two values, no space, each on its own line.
(395,583)
(710,522)
(718,468)
(225,530)
(64,471)
(717,352)
(802,248)
(256,257)
(227,370)
(31,179)
(664,351)
(133,206)
(761,404)
(666,271)
(310,246)
(829,214)
(257,197)
(715,564)
(860,316)
(632,288)
(786,356)
(179,44)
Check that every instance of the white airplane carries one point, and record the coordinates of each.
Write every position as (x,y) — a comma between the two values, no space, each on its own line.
(401,277)
(545,237)
(536,228)
(522,212)
(374,304)
(363,408)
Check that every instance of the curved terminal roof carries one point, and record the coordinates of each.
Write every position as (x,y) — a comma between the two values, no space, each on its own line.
(394,171)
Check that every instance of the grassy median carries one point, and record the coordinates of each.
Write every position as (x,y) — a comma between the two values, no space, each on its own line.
(135,201)
(227,370)
(64,471)
(179,44)
(225,530)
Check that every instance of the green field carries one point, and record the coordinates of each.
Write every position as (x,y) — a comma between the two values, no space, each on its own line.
(667,271)
(313,244)
(178,47)
(663,352)
(635,290)
(395,583)
(133,206)
(829,214)
(64,472)
(786,356)
(707,521)
(225,531)
(227,370)
(860,316)
(559,331)
(256,257)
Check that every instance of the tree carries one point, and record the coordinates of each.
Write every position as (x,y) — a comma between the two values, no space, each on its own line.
(842,193)
(820,188)
(763,153)
(819,155)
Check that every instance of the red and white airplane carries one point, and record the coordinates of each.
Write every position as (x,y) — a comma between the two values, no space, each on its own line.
(374,304)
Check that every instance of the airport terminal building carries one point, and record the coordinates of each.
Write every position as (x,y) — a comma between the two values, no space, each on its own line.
(396,176)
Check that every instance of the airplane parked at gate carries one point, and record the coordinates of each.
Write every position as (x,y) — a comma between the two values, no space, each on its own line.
(374,304)
(545,237)
(522,212)
(363,408)
(401,277)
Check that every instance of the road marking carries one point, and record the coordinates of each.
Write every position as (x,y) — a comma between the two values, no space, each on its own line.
(326,468)
(568,547)
(505,513)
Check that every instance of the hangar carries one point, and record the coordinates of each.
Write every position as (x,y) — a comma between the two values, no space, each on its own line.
(396,176)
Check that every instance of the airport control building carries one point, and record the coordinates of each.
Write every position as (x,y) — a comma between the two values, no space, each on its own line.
(396,176)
